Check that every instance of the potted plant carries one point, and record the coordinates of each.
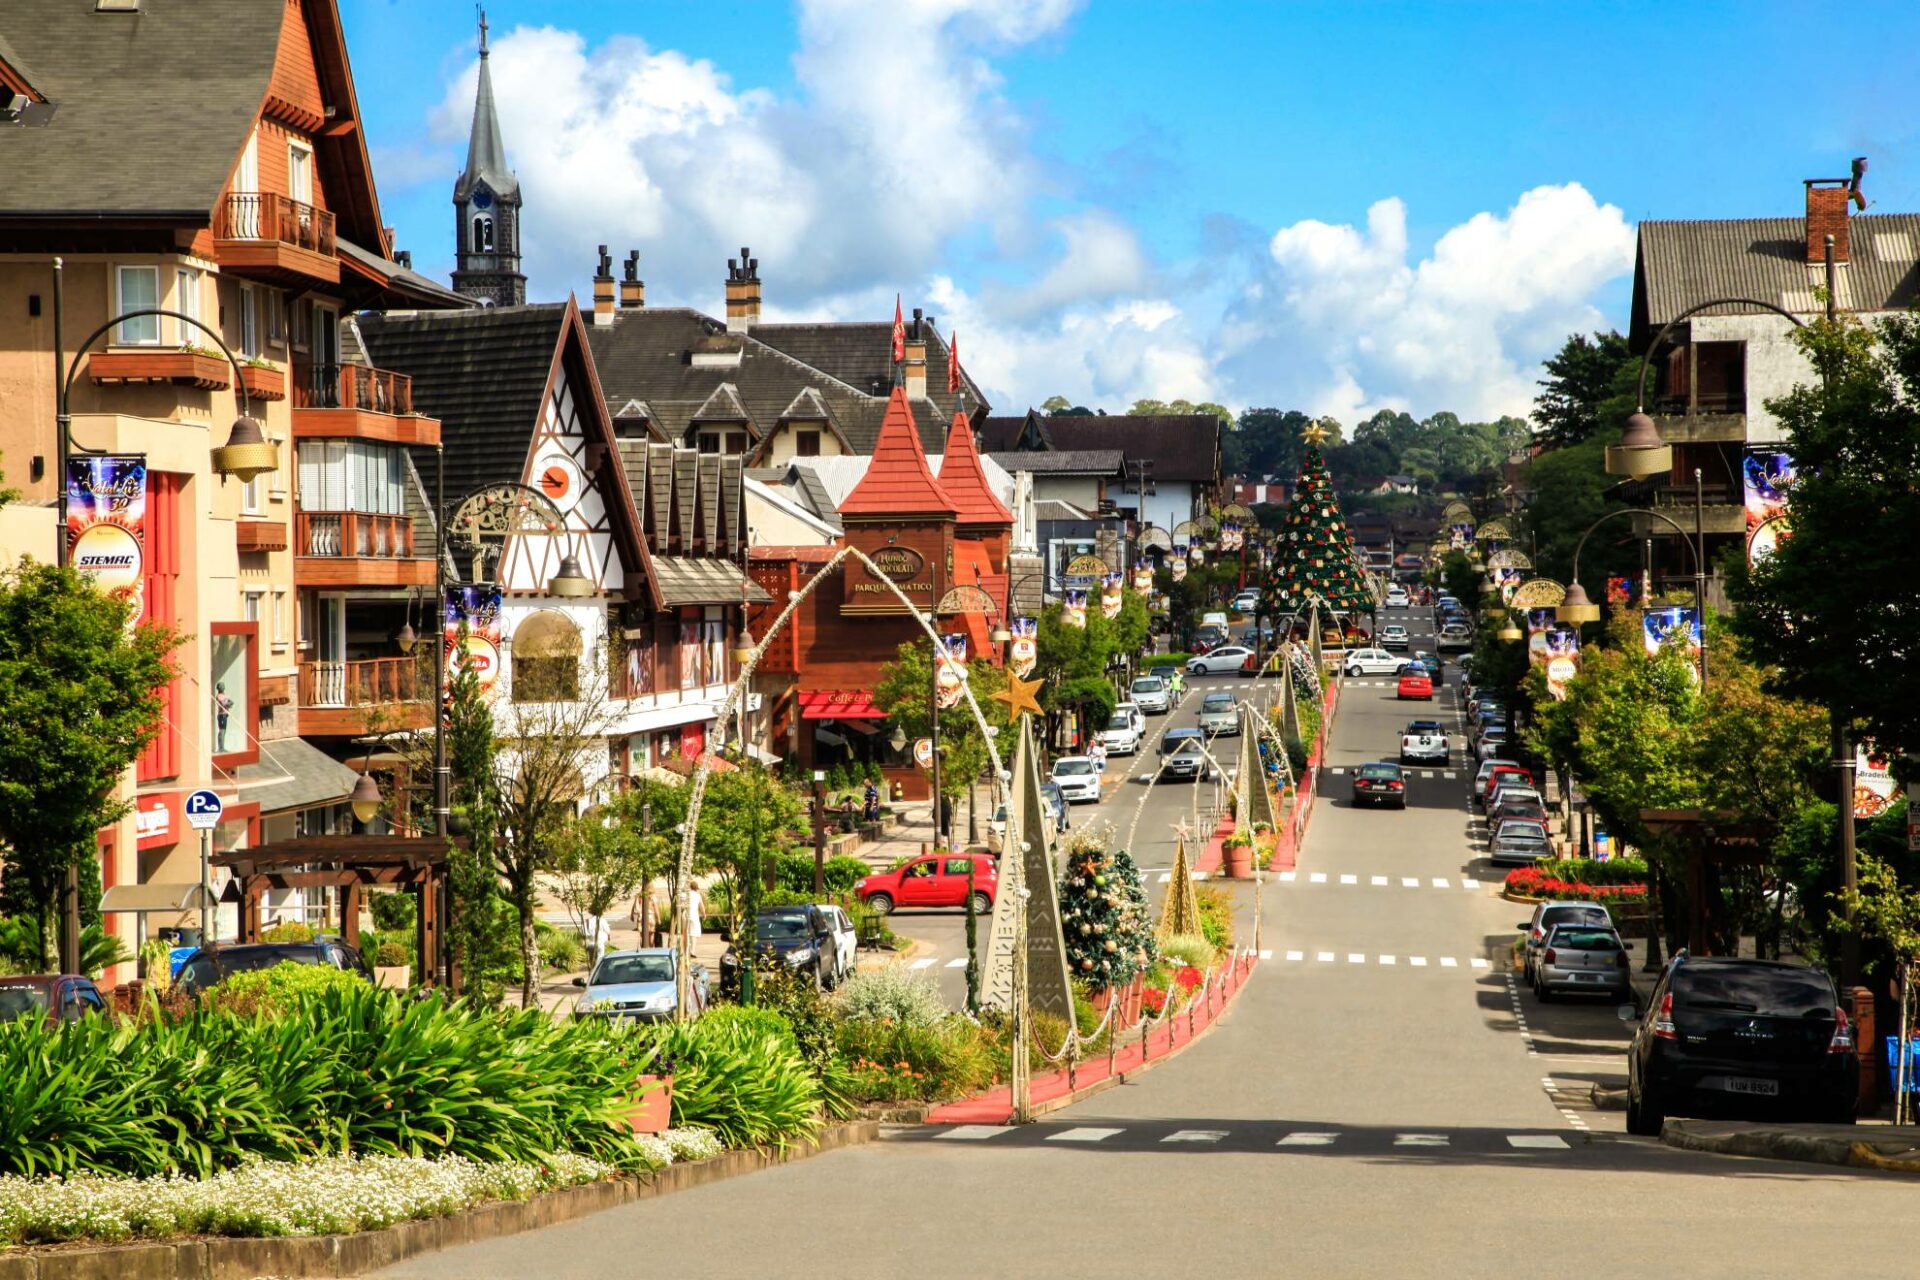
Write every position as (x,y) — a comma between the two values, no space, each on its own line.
(651,1107)
(390,966)
(1238,850)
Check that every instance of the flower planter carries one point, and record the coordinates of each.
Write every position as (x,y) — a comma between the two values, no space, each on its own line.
(396,976)
(263,383)
(1129,996)
(1239,861)
(652,1111)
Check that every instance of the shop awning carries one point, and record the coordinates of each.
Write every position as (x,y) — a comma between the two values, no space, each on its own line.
(839,704)
(153,897)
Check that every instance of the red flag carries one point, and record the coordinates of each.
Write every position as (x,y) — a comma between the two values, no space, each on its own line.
(953,362)
(899,333)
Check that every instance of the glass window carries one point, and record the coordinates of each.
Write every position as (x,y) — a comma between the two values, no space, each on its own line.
(300,172)
(352,475)
(21,1001)
(1073,768)
(186,300)
(277,620)
(1778,993)
(921,870)
(249,321)
(615,970)
(806,444)
(250,606)
(228,706)
(139,289)
(959,866)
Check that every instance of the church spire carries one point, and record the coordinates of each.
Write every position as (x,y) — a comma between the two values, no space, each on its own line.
(486,153)
(486,202)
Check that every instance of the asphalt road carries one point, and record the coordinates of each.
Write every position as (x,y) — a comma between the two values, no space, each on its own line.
(1365,1109)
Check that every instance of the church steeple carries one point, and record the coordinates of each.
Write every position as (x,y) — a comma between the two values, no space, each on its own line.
(486,202)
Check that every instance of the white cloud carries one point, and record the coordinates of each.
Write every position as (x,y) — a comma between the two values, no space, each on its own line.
(1339,320)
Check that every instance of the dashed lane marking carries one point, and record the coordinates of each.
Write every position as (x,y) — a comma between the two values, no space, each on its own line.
(1307,1140)
(1378,880)
(1324,957)
(1440,882)
(958,963)
(973,1132)
(1478,962)
(1388,960)
(1354,957)
(926,962)
(1409,882)
(1418,962)
(1448,962)
(1195,1135)
(1538,1141)
(1318,877)
(1296,955)
(1083,1135)
(1349,879)
(1420,1140)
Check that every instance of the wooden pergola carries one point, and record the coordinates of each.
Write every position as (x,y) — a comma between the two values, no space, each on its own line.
(1711,839)
(417,864)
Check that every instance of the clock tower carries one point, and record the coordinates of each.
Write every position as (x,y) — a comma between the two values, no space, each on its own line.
(486,207)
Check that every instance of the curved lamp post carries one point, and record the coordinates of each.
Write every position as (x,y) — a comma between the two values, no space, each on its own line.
(1577,607)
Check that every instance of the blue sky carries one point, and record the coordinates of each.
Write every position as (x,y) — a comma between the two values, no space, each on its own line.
(1332,207)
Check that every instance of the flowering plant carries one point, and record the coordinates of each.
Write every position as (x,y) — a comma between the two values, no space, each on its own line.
(1535,882)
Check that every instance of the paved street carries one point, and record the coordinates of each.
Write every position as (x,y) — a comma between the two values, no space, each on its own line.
(1365,1109)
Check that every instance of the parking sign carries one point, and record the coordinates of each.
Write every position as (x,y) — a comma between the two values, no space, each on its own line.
(203,810)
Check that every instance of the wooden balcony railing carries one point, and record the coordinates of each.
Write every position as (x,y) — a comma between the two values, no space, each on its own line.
(258,215)
(351,386)
(363,683)
(353,534)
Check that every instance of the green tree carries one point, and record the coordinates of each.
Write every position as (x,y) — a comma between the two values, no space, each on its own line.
(744,820)
(603,856)
(904,692)
(1832,610)
(1581,378)
(79,699)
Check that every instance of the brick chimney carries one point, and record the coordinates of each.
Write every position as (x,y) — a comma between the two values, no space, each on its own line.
(603,289)
(743,292)
(633,290)
(915,374)
(1827,216)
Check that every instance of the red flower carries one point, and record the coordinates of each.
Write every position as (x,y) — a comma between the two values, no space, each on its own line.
(1187,976)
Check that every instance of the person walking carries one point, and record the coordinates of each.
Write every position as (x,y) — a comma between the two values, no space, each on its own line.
(871,809)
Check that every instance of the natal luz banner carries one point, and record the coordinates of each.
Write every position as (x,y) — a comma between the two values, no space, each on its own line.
(1110,596)
(1767,476)
(1675,624)
(1177,566)
(1563,658)
(950,680)
(1507,581)
(1143,578)
(1538,620)
(479,609)
(1459,537)
(1074,611)
(1232,538)
(1023,651)
(107,527)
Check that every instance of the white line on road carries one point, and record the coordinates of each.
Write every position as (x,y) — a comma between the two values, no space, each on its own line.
(1318,877)
(1469,884)
(1420,1140)
(1286,877)
(1388,960)
(1478,962)
(1307,1140)
(1083,1135)
(959,963)
(973,1132)
(1324,957)
(1379,880)
(1450,774)
(1448,962)
(1418,962)
(1266,955)
(1409,882)
(1542,1140)
(1196,1135)
(1349,879)
(1354,957)
(1439,882)
(926,962)
(1296,955)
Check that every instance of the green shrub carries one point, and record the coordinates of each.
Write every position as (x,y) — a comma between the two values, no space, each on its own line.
(289,931)
(391,955)
(893,1062)
(751,1087)
(393,911)
(1185,948)
(795,873)
(754,1017)
(561,951)
(1216,917)
(278,989)
(894,992)
(809,1018)
(1587,871)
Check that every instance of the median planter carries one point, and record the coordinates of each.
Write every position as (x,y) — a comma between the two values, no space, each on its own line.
(1239,859)
(396,976)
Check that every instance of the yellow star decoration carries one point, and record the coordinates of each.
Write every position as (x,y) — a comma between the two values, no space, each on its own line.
(1315,434)
(1020,696)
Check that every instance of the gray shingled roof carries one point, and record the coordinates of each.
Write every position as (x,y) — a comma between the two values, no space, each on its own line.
(481,373)
(1090,462)
(403,279)
(1680,264)
(152,107)
(1184,448)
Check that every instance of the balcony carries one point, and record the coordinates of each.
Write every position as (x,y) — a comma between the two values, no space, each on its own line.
(357,402)
(276,239)
(344,699)
(356,549)
(181,366)
(1723,510)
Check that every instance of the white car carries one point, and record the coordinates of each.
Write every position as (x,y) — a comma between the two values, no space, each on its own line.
(1246,602)
(1228,659)
(1372,662)
(1394,636)
(1397,598)
(1121,737)
(846,941)
(1077,779)
(1149,693)
(1424,740)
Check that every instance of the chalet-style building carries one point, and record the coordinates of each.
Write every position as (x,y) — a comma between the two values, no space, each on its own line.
(1171,463)
(258,218)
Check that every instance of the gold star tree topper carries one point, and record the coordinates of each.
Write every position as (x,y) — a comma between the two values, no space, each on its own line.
(1020,696)
(1315,434)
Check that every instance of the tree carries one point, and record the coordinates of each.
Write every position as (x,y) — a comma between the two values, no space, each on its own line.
(602,857)
(473,881)
(1833,608)
(1061,407)
(1166,408)
(1264,442)
(905,694)
(744,820)
(1581,377)
(1103,913)
(1315,553)
(79,699)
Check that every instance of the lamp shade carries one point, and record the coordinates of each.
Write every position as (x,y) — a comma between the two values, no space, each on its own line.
(570,583)
(899,739)
(1510,632)
(405,638)
(1641,452)
(1000,635)
(1576,608)
(365,798)
(247,452)
(743,647)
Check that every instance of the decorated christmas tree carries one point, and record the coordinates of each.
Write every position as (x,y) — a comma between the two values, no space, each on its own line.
(1314,552)
(1103,914)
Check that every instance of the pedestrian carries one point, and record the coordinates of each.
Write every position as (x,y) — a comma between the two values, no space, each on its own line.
(695,905)
(871,809)
(1098,754)
(944,809)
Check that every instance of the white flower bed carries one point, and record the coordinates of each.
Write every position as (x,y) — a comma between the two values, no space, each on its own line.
(334,1194)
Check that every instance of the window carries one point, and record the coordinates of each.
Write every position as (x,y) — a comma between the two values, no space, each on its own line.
(246,178)
(483,235)
(546,658)
(233,700)
(250,496)
(250,606)
(249,321)
(276,318)
(300,324)
(300,171)
(186,300)
(277,621)
(959,866)
(806,444)
(139,289)
(709,442)
(352,475)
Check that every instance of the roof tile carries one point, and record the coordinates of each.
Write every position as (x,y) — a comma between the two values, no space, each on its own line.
(965,481)
(898,481)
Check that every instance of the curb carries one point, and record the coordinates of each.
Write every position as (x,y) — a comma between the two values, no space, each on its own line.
(235,1258)
(1777,1144)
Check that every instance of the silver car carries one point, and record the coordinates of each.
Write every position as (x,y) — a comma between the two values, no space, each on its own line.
(637,986)
(1220,716)
(1547,915)
(1521,842)
(1584,958)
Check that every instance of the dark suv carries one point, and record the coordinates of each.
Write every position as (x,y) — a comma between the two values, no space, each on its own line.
(1741,1037)
(209,966)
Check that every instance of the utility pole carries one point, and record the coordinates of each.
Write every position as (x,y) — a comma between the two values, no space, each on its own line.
(819,832)
(1843,754)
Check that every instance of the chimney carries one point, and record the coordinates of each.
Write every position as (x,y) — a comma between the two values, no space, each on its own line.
(603,289)
(1827,216)
(916,370)
(743,292)
(633,290)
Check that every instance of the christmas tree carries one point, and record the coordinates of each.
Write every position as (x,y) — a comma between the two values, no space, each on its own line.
(1314,553)
(1103,915)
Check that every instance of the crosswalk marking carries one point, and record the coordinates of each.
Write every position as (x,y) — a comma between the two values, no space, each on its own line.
(973,1132)
(1318,877)
(1325,957)
(1336,771)
(1478,962)
(1379,880)
(925,962)
(1266,955)
(1287,877)
(1448,962)
(1420,1140)
(1439,882)
(1307,1140)
(1409,882)
(1469,884)
(1196,1135)
(1544,1141)
(1450,774)
(1388,960)
(958,962)
(1083,1135)
(1296,955)
(1349,879)
(1418,962)
(1354,957)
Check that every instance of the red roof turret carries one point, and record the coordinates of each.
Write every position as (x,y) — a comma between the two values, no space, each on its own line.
(965,479)
(898,481)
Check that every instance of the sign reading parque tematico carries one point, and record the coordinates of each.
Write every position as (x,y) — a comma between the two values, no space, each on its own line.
(918,561)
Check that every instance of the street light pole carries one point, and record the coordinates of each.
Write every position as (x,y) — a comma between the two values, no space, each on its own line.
(442,770)
(933,716)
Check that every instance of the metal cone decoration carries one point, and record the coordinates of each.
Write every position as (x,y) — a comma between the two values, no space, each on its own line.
(1256,795)
(1180,914)
(1027,864)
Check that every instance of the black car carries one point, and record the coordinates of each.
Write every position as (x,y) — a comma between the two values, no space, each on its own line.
(1381,782)
(801,937)
(209,966)
(1741,1038)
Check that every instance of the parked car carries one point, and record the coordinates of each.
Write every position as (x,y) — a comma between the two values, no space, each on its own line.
(800,937)
(939,880)
(1371,662)
(1415,684)
(1454,635)
(1062,811)
(209,966)
(1228,659)
(1394,636)
(1181,755)
(1514,811)
(1741,1038)
(638,986)
(1521,842)
(1220,716)
(1583,958)
(1431,661)
(1208,638)
(1258,633)
(1077,779)
(1149,693)
(1121,737)
(1491,743)
(55,997)
(1548,914)
(1491,771)
(1423,740)
(1381,782)
(1056,807)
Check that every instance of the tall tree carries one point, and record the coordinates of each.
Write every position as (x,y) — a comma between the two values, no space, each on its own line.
(1581,377)
(79,699)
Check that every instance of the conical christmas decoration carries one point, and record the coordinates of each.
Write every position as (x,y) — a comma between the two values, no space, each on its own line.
(1028,863)
(1180,914)
(1256,794)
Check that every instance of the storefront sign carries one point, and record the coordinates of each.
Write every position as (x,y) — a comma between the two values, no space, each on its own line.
(157,820)
(900,564)
(107,526)
(1023,651)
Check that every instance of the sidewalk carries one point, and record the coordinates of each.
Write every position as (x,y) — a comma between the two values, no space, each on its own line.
(1894,1149)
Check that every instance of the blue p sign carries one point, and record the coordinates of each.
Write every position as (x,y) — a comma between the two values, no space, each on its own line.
(203,810)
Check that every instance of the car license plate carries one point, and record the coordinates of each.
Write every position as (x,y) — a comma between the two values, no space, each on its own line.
(1759,1088)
